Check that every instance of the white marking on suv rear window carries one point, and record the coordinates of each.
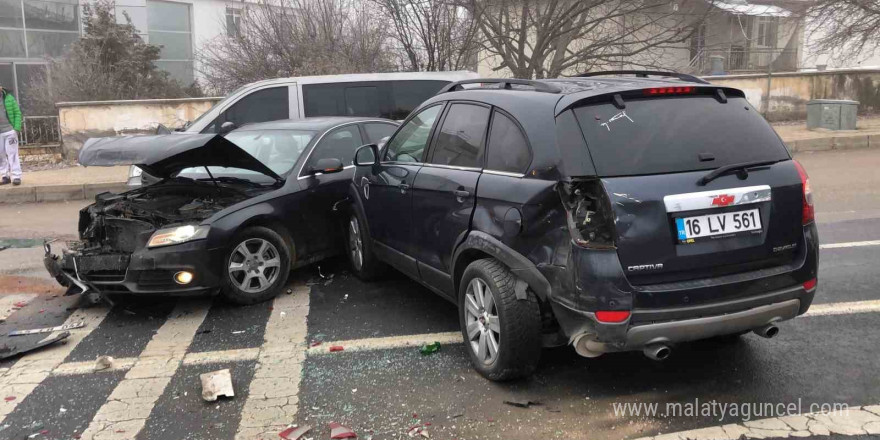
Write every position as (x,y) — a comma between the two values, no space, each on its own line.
(620,115)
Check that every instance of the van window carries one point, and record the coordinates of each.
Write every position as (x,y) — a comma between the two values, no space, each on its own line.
(384,99)
(376,131)
(460,139)
(508,148)
(668,135)
(263,105)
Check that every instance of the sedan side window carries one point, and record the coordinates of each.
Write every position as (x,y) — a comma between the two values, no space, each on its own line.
(377,131)
(338,144)
(410,142)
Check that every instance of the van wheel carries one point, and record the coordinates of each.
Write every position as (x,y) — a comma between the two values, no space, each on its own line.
(359,249)
(502,333)
(257,266)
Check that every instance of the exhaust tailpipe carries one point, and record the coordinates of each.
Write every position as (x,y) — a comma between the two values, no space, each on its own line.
(586,346)
(768,331)
(658,352)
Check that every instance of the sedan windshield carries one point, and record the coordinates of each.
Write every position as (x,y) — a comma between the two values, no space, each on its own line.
(277,149)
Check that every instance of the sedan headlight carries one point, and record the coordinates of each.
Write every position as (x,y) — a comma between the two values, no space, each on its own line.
(176,235)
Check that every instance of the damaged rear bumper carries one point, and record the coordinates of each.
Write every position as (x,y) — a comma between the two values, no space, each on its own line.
(145,272)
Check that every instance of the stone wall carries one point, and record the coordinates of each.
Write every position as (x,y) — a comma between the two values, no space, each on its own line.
(82,120)
(789,92)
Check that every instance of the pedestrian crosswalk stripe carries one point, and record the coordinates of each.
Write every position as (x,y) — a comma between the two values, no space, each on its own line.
(273,394)
(850,244)
(125,412)
(21,378)
(388,342)
(210,357)
(844,308)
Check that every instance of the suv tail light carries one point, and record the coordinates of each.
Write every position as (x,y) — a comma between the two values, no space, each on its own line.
(590,219)
(809,212)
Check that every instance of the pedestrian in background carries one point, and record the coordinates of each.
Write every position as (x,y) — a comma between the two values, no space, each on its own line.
(10,125)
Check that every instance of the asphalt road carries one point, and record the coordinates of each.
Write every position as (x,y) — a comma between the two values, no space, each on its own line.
(381,386)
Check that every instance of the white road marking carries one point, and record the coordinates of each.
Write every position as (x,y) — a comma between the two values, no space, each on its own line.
(273,395)
(852,421)
(388,342)
(127,408)
(7,302)
(844,308)
(21,378)
(850,244)
(212,357)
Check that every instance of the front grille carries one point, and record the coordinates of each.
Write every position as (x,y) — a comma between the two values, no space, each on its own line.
(157,280)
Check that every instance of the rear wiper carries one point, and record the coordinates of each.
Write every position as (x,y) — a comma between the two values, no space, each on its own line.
(718,172)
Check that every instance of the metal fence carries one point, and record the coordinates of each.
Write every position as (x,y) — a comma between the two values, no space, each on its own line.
(739,59)
(40,131)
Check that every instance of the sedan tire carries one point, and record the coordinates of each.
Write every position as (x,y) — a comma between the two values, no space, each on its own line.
(502,333)
(257,266)
(359,249)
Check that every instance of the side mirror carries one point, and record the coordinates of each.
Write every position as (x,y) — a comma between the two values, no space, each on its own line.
(366,155)
(226,127)
(328,165)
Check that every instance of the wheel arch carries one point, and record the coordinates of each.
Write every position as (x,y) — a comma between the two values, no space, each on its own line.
(478,245)
(257,215)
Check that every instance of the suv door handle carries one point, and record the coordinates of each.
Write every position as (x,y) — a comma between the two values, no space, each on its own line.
(460,195)
(403,187)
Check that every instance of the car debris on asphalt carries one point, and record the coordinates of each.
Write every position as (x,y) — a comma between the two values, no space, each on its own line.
(103,363)
(335,348)
(57,328)
(8,351)
(215,384)
(429,348)
(294,432)
(338,431)
(522,403)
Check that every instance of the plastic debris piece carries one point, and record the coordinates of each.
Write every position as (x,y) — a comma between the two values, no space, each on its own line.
(430,348)
(293,432)
(335,348)
(19,305)
(315,344)
(9,398)
(338,431)
(57,328)
(238,332)
(216,383)
(10,351)
(424,434)
(521,403)
(103,363)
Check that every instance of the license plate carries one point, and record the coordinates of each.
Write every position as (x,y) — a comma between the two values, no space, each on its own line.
(721,225)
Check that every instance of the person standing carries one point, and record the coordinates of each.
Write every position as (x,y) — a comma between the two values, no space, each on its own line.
(10,125)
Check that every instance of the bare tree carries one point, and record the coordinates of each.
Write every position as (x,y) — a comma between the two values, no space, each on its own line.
(281,38)
(549,38)
(432,35)
(844,29)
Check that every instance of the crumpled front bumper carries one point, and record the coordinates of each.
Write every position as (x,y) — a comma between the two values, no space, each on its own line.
(147,272)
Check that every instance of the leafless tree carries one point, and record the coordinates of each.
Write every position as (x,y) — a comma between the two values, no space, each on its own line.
(844,29)
(549,38)
(281,38)
(432,35)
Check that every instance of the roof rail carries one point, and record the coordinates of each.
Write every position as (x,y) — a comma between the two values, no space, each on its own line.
(644,74)
(506,83)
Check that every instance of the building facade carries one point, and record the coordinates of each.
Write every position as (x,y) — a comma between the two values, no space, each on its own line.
(33,30)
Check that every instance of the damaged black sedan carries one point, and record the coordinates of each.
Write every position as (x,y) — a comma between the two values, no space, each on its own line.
(231,213)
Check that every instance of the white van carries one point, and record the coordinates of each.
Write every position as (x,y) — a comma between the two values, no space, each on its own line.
(383,95)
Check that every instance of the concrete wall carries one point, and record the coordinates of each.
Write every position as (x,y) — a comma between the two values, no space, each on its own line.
(82,120)
(789,92)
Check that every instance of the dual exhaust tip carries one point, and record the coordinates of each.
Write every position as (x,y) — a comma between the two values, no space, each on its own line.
(585,346)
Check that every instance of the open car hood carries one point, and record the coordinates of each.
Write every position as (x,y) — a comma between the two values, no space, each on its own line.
(165,154)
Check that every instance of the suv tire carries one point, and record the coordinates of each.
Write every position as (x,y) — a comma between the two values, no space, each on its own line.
(507,329)
(256,266)
(359,248)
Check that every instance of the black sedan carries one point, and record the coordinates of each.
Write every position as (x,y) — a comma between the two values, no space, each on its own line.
(233,212)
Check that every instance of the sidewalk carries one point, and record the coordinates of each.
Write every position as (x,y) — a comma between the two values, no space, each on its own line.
(81,183)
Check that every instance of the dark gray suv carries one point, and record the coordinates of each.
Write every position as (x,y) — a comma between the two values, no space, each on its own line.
(612,214)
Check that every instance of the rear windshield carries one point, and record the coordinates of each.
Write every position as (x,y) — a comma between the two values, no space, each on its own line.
(669,135)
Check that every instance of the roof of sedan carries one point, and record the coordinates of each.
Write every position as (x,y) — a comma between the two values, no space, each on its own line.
(315,124)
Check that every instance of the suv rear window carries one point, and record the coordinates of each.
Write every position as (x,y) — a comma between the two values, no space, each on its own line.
(669,135)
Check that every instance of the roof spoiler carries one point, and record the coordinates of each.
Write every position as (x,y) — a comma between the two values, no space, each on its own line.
(644,74)
(506,83)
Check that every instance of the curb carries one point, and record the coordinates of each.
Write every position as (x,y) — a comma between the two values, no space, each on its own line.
(57,193)
(835,143)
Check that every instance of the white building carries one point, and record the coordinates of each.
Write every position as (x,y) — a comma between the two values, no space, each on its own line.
(32,30)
